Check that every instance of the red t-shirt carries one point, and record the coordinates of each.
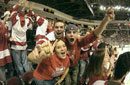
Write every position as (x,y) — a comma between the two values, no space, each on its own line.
(74,50)
(84,52)
(51,67)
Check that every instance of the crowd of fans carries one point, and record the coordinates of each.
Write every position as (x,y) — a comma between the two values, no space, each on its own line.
(62,54)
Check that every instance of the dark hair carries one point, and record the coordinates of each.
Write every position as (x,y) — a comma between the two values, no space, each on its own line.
(122,65)
(102,45)
(95,67)
(56,21)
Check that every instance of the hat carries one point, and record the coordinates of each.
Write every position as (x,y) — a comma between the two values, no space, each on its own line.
(71,27)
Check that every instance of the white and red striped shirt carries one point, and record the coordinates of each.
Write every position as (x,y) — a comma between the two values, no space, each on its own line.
(51,37)
(4,51)
(41,29)
(18,31)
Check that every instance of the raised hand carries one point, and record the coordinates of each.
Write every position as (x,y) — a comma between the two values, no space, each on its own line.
(46,50)
(19,2)
(25,3)
(41,51)
(31,5)
(34,56)
(110,14)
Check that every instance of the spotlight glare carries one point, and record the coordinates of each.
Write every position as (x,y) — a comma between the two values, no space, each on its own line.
(102,8)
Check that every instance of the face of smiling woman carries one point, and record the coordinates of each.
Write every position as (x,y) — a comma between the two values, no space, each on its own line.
(60,49)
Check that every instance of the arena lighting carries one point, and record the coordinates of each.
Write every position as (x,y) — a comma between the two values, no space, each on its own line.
(129,9)
(102,8)
(116,8)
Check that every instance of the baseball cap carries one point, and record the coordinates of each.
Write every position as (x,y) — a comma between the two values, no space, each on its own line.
(71,27)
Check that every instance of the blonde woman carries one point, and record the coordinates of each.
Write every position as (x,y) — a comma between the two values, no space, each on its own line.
(52,65)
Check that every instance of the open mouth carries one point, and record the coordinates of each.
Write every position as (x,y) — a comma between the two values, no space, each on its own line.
(71,39)
(59,33)
(62,53)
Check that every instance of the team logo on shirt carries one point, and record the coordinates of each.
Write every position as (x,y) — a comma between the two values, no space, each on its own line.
(58,71)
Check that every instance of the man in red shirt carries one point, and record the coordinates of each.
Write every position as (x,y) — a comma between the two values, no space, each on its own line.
(74,45)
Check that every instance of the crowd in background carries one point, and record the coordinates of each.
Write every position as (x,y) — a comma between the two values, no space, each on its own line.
(57,52)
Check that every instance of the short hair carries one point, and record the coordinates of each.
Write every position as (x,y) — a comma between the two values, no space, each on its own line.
(103,45)
(122,65)
(56,21)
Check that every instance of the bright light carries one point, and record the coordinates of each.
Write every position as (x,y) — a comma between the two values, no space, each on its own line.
(91,5)
(102,7)
(126,8)
(117,7)
(122,7)
(129,9)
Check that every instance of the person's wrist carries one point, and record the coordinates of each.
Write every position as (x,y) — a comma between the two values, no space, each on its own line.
(107,19)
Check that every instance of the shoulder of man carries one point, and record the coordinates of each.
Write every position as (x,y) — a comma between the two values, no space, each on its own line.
(51,36)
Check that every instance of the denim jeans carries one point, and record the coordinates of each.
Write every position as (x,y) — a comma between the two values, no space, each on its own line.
(6,72)
(20,61)
(82,67)
(2,73)
(45,82)
(72,76)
